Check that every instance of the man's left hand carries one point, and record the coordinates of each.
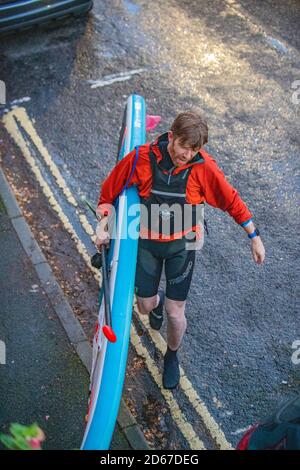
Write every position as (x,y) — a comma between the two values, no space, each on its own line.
(258,250)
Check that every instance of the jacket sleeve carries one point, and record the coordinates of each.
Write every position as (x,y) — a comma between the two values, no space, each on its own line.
(114,183)
(220,194)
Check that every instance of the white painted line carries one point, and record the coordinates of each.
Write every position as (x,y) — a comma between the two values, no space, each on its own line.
(116,77)
(255,28)
(21,100)
(240,431)
(278,45)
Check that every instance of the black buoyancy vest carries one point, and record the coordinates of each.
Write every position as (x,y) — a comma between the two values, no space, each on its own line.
(166,211)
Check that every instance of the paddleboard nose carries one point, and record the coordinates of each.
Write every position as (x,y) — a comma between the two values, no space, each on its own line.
(152,122)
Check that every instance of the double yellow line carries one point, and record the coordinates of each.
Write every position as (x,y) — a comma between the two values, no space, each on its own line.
(13,121)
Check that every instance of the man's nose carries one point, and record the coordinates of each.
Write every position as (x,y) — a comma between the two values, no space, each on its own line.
(188,154)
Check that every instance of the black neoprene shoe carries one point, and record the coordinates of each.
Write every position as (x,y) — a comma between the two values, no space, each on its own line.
(171,374)
(156,315)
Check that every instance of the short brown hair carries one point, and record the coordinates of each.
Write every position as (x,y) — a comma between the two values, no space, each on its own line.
(191,129)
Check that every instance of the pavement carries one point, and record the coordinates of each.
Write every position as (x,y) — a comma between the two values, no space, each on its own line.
(45,376)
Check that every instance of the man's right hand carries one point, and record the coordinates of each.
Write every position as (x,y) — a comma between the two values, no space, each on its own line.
(102,235)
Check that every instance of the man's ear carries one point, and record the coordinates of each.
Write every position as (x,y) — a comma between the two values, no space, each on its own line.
(170,136)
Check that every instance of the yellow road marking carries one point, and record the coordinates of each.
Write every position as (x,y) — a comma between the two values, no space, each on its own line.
(21,116)
(11,125)
(188,389)
(177,415)
(10,121)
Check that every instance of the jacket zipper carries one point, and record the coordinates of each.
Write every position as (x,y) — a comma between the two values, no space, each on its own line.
(171,171)
(170,174)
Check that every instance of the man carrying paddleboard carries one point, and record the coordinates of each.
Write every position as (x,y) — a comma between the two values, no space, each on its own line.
(174,176)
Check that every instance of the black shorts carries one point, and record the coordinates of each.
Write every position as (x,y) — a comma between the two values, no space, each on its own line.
(179,266)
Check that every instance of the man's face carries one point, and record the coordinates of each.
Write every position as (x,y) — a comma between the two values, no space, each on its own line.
(180,154)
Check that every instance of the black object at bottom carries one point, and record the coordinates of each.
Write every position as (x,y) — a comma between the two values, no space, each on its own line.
(96,260)
(105,287)
(171,374)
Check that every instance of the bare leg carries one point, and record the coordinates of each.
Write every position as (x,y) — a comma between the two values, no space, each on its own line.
(146,304)
(176,322)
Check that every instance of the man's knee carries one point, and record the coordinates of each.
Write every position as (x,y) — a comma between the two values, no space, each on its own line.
(146,304)
(175,308)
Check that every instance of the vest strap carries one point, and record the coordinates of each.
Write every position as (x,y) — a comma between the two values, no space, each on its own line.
(165,193)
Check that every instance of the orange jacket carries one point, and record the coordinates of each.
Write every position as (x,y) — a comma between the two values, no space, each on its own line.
(206,183)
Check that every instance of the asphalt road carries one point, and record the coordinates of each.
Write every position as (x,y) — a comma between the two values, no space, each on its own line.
(236,62)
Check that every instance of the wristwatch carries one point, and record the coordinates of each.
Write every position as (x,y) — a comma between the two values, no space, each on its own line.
(256,233)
